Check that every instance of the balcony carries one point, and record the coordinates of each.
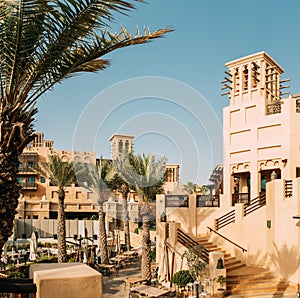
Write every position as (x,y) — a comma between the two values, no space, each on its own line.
(177,201)
(208,201)
(29,186)
(29,157)
(26,170)
(240,198)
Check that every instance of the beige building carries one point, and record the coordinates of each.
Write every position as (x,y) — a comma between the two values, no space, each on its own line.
(257,219)
(38,199)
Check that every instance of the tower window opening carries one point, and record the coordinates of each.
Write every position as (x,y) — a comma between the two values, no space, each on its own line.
(236,80)
(255,75)
(245,78)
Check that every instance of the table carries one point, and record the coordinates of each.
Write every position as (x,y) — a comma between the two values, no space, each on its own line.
(130,253)
(150,291)
(132,281)
(106,269)
(66,280)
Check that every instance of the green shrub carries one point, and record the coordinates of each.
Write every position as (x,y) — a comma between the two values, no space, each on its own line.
(153,254)
(182,278)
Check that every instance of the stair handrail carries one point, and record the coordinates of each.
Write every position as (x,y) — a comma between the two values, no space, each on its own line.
(240,247)
(189,242)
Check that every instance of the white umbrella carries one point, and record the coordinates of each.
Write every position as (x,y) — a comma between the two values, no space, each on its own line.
(4,254)
(33,247)
(163,269)
(85,252)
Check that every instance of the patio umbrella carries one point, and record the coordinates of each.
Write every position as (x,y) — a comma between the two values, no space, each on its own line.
(163,269)
(85,252)
(33,247)
(4,256)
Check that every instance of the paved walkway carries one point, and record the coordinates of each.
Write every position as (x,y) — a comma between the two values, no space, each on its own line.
(115,285)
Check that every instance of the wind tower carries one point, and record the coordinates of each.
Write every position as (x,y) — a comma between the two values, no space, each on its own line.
(254,125)
(120,143)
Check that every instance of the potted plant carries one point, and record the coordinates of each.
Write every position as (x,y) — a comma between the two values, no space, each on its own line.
(222,282)
(182,278)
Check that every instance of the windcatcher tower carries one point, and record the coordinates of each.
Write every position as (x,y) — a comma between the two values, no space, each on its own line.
(260,127)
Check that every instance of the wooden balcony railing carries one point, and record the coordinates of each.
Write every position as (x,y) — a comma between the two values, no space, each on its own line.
(189,242)
(225,220)
(255,204)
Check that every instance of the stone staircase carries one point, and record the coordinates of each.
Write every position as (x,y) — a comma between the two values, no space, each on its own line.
(248,281)
(231,263)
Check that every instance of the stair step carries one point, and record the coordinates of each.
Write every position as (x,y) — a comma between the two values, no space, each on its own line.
(235,266)
(248,281)
(279,294)
(259,285)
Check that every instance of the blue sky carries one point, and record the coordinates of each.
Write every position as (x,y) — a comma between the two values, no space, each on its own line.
(167,93)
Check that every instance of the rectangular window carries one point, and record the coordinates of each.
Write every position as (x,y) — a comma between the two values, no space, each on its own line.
(20,165)
(31,179)
(20,179)
(43,179)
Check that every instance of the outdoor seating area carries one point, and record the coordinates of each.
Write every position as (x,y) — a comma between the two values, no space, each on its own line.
(150,291)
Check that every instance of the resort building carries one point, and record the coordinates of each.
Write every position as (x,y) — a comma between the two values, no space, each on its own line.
(256,217)
(39,200)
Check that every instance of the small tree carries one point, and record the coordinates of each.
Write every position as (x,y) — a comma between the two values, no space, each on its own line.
(222,281)
(195,263)
(182,278)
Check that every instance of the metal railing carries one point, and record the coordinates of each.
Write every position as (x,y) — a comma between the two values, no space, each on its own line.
(225,220)
(240,198)
(273,108)
(208,201)
(255,204)
(26,170)
(29,185)
(189,242)
(240,247)
(177,201)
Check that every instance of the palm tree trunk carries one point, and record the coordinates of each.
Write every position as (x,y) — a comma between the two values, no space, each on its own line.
(126,222)
(102,237)
(61,228)
(146,248)
(127,232)
(9,193)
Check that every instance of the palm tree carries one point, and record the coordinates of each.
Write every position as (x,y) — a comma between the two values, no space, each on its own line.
(146,176)
(61,174)
(190,187)
(96,178)
(41,44)
(118,184)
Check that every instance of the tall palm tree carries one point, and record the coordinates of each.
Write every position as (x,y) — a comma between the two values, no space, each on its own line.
(60,174)
(118,184)
(96,178)
(146,176)
(41,44)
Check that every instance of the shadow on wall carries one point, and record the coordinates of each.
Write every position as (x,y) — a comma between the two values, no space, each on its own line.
(286,262)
